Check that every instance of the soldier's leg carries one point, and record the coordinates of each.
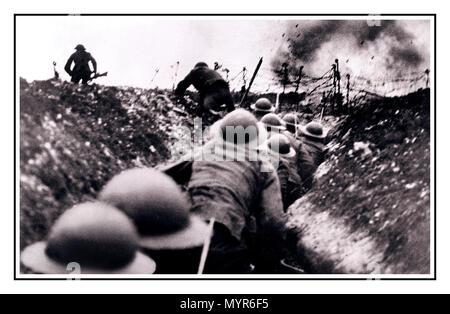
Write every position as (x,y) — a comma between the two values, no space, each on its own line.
(226,254)
(85,78)
(229,102)
(75,78)
(225,98)
(200,106)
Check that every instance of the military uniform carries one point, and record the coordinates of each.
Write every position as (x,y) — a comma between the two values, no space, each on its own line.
(81,70)
(315,148)
(213,89)
(241,198)
(304,163)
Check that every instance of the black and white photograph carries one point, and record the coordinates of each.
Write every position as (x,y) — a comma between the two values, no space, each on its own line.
(224,146)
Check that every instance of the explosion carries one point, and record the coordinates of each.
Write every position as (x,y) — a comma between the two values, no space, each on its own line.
(364,47)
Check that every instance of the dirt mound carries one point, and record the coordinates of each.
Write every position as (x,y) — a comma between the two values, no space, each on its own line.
(367,212)
(75,138)
(369,209)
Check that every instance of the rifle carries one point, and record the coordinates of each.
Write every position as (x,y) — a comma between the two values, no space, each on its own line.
(96,75)
(321,115)
(290,268)
(251,81)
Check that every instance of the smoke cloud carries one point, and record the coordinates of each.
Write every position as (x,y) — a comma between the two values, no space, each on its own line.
(360,45)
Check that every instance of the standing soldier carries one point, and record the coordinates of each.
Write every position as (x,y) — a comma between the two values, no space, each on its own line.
(213,89)
(304,163)
(81,70)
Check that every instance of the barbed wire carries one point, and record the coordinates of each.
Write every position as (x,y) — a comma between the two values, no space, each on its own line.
(353,86)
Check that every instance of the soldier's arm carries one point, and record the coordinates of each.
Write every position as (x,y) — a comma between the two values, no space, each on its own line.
(283,177)
(306,166)
(271,205)
(68,65)
(183,85)
(271,222)
(94,64)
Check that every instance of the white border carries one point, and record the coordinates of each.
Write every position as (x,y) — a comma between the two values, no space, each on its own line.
(327,276)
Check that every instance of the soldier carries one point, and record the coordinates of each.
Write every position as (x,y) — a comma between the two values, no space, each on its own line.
(284,159)
(213,89)
(304,163)
(241,193)
(81,70)
(96,237)
(262,107)
(168,232)
(273,124)
(291,122)
(313,136)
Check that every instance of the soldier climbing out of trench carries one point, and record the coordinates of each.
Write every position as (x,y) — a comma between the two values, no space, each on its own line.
(81,70)
(213,89)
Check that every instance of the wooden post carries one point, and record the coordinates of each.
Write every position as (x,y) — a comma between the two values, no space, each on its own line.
(277,102)
(339,98)
(338,76)
(154,75)
(324,100)
(285,76)
(299,78)
(333,100)
(175,76)
(244,75)
(227,73)
(348,92)
(55,73)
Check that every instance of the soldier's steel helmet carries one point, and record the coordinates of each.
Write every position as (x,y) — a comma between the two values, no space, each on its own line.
(291,119)
(239,127)
(313,129)
(281,145)
(200,64)
(80,47)
(96,236)
(263,105)
(272,121)
(158,208)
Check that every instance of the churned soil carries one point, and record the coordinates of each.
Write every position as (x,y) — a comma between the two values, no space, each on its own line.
(374,190)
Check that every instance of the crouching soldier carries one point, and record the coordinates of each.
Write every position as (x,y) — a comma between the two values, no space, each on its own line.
(237,187)
(262,107)
(273,124)
(284,159)
(313,136)
(168,232)
(90,238)
(213,89)
(304,163)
